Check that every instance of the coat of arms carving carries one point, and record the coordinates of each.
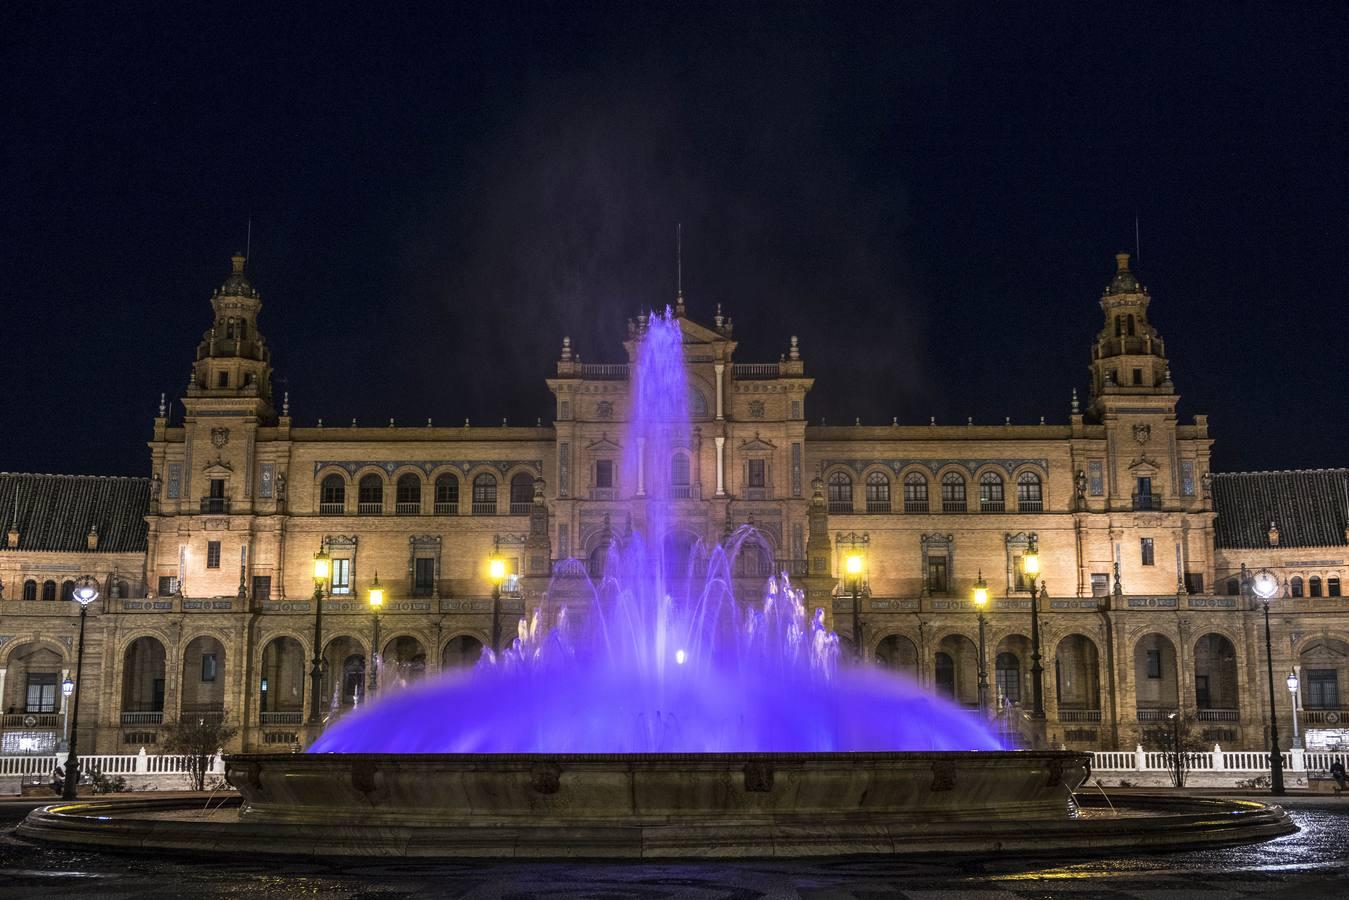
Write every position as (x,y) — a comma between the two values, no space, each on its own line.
(1142,433)
(221,436)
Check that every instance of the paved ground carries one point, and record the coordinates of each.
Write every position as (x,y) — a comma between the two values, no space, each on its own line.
(1311,864)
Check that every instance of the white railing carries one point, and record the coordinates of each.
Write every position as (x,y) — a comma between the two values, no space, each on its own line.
(605,370)
(281,717)
(38,720)
(1218,715)
(755,370)
(1079,715)
(143,718)
(1216,760)
(109,764)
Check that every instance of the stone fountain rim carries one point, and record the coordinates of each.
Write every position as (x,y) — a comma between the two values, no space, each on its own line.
(312,758)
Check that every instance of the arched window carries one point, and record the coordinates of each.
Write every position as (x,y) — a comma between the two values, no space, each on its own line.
(1029,495)
(697,404)
(522,494)
(1130,326)
(49,590)
(485,494)
(370,495)
(408,495)
(1119,326)
(915,493)
(595,563)
(332,496)
(1234,587)
(946,675)
(1008,678)
(447,495)
(990,493)
(1314,586)
(878,493)
(681,486)
(840,492)
(1295,586)
(30,589)
(68,590)
(1333,586)
(952,493)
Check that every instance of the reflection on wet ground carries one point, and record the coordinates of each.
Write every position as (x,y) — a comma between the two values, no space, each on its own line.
(1310,864)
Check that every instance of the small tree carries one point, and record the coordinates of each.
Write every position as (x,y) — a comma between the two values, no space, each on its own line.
(198,739)
(1179,741)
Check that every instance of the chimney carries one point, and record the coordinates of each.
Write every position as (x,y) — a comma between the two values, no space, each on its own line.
(92,537)
(12,538)
(1273,534)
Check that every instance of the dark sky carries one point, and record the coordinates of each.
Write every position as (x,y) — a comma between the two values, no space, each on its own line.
(929,195)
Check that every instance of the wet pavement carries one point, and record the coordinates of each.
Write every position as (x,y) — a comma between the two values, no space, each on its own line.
(1311,864)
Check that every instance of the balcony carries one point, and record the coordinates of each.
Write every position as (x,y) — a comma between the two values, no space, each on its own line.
(405,508)
(282,717)
(154,717)
(681,491)
(880,507)
(215,505)
(1326,715)
(30,720)
(369,508)
(840,506)
(746,371)
(954,506)
(1080,715)
(484,508)
(992,506)
(915,506)
(604,370)
(446,509)
(332,509)
(520,509)
(1147,502)
(1030,505)
(1219,715)
(211,712)
(1154,715)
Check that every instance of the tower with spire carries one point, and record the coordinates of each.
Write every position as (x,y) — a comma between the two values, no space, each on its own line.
(1128,359)
(233,369)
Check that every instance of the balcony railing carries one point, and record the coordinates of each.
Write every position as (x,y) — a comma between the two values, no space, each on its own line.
(604,370)
(1326,716)
(1154,715)
(407,508)
(745,371)
(447,509)
(916,506)
(1147,501)
(1219,715)
(143,718)
(879,507)
(840,506)
(215,504)
(484,509)
(954,506)
(369,508)
(211,713)
(520,509)
(1030,505)
(1079,715)
(992,506)
(282,717)
(681,491)
(38,720)
(332,509)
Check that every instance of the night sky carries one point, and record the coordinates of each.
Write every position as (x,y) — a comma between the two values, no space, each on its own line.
(929,195)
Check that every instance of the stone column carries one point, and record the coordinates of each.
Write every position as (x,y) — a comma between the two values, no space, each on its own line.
(720,369)
(641,467)
(721,465)
(3,670)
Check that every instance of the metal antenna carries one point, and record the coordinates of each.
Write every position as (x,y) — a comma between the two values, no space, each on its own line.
(248,242)
(679,259)
(1138,242)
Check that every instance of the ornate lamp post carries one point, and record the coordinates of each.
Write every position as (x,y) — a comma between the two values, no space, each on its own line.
(1292,700)
(376,597)
(67,688)
(86,592)
(852,564)
(496,571)
(980,597)
(1030,565)
(1265,586)
(321,571)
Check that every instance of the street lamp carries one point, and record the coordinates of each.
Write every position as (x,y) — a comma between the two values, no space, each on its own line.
(980,597)
(1292,690)
(67,688)
(321,572)
(496,572)
(1030,565)
(1266,586)
(376,595)
(85,593)
(852,564)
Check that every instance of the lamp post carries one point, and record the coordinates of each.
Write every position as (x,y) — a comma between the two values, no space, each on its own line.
(321,571)
(85,593)
(852,564)
(496,571)
(67,688)
(1265,586)
(1292,690)
(1030,565)
(376,595)
(980,597)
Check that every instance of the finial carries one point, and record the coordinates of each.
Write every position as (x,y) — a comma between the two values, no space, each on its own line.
(894,420)
(428,421)
(390,421)
(932,420)
(566,349)
(237,263)
(320,421)
(1075,404)
(1042,420)
(719,320)
(353,421)
(795,352)
(465,421)
(857,421)
(679,269)
(285,403)
(538,423)
(1122,262)
(162,407)
(1007,421)
(970,420)
(503,421)
(192,378)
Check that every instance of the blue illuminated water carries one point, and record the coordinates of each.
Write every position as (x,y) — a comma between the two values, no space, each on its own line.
(659,656)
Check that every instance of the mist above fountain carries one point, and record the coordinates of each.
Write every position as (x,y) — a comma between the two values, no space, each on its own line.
(664,659)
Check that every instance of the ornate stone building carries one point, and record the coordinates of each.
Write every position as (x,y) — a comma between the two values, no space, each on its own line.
(206,566)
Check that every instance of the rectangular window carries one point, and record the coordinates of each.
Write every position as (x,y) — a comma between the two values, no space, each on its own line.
(796,409)
(341,577)
(604,473)
(1096,477)
(936,574)
(223,379)
(1201,692)
(41,692)
(212,554)
(1323,689)
(1194,582)
(1146,550)
(564,410)
(1100,584)
(175,483)
(217,489)
(1333,586)
(1154,664)
(424,575)
(168,585)
(1019,573)
(208,667)
(1138,376)
(757,476)
(796,470)
(262,587)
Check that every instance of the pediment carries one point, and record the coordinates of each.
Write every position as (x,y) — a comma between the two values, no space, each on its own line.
(1145,462)
(217,467)
(757,443)
(1321,653)
(699,334)
(603,445)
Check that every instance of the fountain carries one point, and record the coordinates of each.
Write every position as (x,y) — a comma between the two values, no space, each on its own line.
(661,715)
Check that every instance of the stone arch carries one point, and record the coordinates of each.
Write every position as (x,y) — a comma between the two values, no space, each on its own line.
(409,489)
(916,488)
(1156,675)
(897,652)
(462,651)
(1010,667)
(1323,683)
(1216,672)
(33,671)
(1077,673)
(372,489)
(201,690)
(956,668)
(282,679)
(144,671)
(990,482)
(878,488)
(953,487)
(333,487)
(520,487)
(679,554)
(402,659)
(345,671)
(447,490)
(484,487)
(840,486)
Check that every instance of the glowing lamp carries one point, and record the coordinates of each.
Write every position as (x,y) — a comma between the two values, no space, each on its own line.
(321,565)
(1265,585)
(980,593)
(86,591)
(68,687)
(681,657)
(1030,563)
(1292,682)
(376,593)
(496,569)
(853,564)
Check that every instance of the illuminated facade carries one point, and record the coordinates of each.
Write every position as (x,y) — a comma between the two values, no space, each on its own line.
(207,605)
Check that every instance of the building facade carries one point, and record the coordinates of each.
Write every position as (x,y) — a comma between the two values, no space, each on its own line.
(208,599)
